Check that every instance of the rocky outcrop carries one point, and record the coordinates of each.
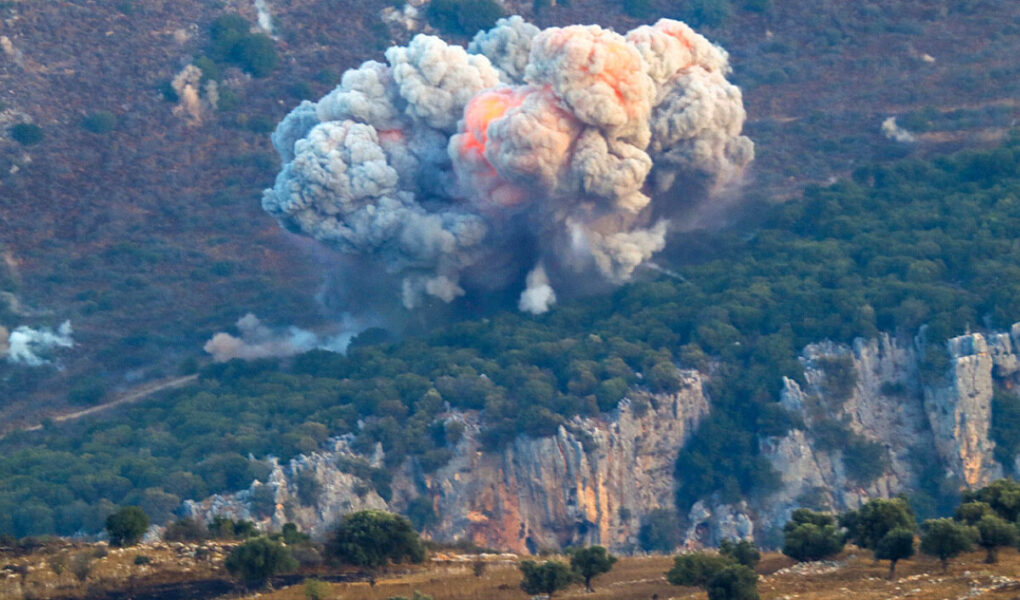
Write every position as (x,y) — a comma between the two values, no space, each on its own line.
(592,482)
(877,421)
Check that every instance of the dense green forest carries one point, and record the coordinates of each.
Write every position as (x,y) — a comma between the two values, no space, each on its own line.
(890,249)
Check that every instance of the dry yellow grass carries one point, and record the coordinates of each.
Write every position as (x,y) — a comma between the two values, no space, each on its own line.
(854,576)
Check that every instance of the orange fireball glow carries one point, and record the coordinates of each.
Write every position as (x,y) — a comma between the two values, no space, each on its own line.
(676,30)
(483,109)
(391,135)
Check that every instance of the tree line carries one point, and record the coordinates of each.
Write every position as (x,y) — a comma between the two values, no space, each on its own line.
(890,249)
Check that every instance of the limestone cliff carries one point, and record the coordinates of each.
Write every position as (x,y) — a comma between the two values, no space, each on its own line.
(922,426)
(592,482)
(878,420)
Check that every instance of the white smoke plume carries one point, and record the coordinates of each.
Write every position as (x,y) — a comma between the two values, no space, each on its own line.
(28,346)
(891,130)
(265,19)
(260,341)
(538,296)
(558,153)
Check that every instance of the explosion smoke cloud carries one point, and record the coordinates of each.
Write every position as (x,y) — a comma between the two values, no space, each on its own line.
(28,346)
(532,151)
(260,341)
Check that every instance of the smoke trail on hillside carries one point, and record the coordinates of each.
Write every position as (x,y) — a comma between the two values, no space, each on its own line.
(260,341)
(541,160)
(28,346)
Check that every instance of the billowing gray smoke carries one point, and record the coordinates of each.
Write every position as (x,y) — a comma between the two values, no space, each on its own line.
(535,158)
(28,346)
(260,341)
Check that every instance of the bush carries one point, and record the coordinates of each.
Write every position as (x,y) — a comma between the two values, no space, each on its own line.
(810,536)
(864,460)
(697,568)
(743,551)
(463,17)
(660,531)
(100,122)
(127,526)
(255,54)
(316,589)
(141,559)
(372,539)
(735,582)
(546,578)
(255,561)
(27,134)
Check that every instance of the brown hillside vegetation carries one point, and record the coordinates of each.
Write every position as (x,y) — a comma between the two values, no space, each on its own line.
(149,237)
(192,571)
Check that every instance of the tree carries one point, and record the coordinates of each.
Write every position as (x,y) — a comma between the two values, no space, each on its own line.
(371,539)
(993,533)
(894,546)
(1002,495)
(735,582)
(546,578)
(697,568)
(256,560)
(971,512)
(742,551)
(27,134)
(810,535)
(945,539)
(127,526)
(591,562)
(660,531)
(869,524)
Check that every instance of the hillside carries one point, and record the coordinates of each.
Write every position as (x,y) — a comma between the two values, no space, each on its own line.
(173,574)
(860,258)
(148,236)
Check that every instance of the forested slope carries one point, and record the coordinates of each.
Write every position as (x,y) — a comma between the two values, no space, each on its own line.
(893,249)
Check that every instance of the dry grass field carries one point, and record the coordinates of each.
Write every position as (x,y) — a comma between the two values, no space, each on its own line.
(854,575)
(173,566)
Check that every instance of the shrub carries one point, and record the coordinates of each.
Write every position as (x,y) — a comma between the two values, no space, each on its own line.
(372,539)
(99,122)
(810,535)
(546,578)
(697,568)
(127,526)
(742,551)
(255,561)
(660,531)
(316,589)
(255,54)
(864,460)
(463,17)
(735,582)
(27,134)
(141,559)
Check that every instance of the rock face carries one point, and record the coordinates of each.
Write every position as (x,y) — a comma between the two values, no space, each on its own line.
(592,482)
(879,419)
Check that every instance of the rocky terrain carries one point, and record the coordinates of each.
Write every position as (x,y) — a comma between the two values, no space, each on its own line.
(597,479)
